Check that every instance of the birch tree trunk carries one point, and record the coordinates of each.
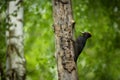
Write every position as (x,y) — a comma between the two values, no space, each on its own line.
(63,27)
(15,61)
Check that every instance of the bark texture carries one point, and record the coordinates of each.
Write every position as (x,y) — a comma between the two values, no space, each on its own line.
(63,27)
(15,61)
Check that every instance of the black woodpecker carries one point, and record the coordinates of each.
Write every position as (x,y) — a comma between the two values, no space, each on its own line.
(80,43)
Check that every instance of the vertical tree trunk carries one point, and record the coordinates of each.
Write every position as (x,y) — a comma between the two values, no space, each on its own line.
(63,27)
(15,63)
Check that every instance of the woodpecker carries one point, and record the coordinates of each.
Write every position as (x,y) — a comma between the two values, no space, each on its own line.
(80,43)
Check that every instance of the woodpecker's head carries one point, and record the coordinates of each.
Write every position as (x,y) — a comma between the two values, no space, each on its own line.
(86,34)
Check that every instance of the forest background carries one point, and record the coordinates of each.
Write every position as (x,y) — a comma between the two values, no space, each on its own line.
(100,60)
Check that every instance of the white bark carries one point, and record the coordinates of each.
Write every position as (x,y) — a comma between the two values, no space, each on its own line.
(15,63)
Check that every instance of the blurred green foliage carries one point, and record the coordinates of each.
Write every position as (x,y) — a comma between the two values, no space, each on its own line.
(39,40)
(100,60)
(2,34)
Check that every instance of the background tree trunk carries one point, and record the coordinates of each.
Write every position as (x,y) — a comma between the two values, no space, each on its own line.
(63,27)
(15,64)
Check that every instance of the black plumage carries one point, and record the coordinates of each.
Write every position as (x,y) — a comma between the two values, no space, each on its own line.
(80,43)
